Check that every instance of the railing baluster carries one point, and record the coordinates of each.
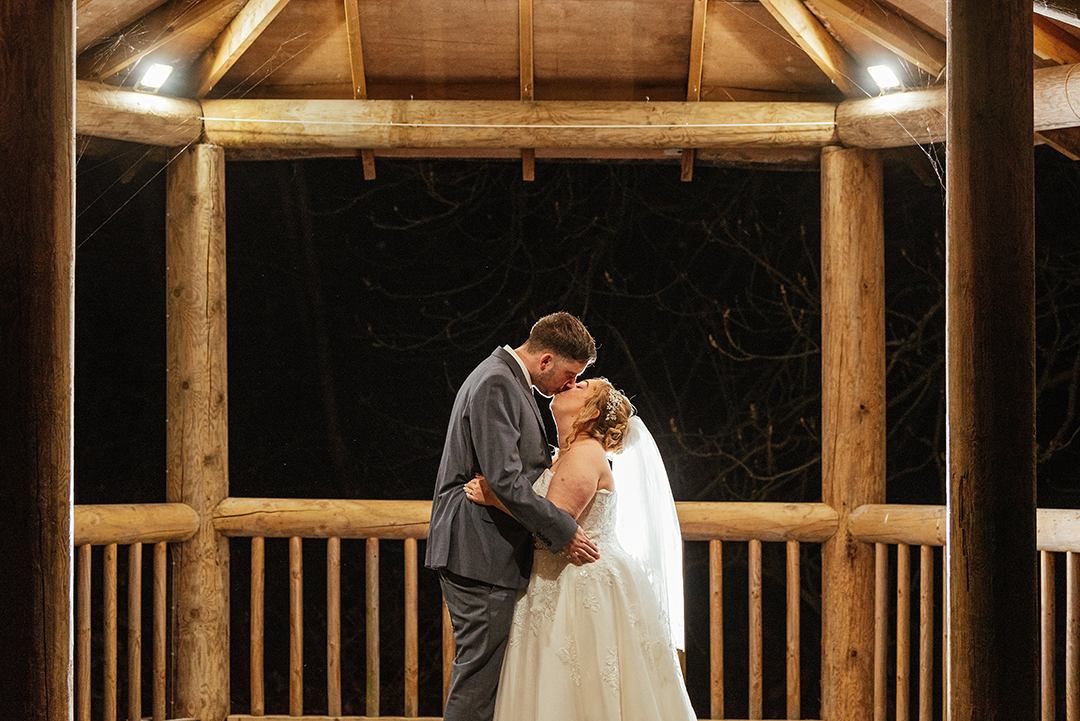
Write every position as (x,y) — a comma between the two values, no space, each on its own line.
(412,637)
(82,673)
(110,632)
(161,550)
(258,581)
(716,629)
(794,586)
(881,616)
(333,626)
(903,630)
(1072,636)
(372,626)
(926,632)
(296,626)
(134,631)
(756,656)
(1047,635)
(449,649)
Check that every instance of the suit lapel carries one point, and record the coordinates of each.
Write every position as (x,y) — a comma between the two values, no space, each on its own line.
(526,387)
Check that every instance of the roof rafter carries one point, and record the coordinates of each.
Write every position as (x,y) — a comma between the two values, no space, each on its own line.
(693,82)
(146,35)
(244,29)
(525,75)
(806,30)
(888,28)
(359,76)
(1053,43)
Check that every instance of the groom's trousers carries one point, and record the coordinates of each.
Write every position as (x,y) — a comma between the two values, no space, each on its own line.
(481,615)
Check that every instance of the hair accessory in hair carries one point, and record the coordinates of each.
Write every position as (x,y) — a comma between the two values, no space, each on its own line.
(614,400)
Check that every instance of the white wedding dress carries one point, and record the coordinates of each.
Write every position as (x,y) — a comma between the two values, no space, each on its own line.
(592,642)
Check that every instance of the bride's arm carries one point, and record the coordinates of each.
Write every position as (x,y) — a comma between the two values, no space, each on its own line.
(478,491)
(578,476)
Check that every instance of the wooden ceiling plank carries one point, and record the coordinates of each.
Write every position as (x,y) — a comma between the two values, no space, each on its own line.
(693,83)
(526,79)
(359,76)
(244,29)
(808,32)
(889,29)
(96,20)
(155,29)
(1053,43)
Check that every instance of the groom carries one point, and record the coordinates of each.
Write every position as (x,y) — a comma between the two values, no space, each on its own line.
(484,556)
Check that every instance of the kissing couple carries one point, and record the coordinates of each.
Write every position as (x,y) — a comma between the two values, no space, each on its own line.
(562,573)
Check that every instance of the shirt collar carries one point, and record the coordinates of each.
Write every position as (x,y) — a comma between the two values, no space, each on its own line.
(520,362)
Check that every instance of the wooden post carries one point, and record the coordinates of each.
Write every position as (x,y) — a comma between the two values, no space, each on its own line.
(36,369)
(197,439)
(992,566)
(852,419)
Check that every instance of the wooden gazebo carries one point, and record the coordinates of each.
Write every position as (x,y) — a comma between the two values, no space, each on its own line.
(783,82)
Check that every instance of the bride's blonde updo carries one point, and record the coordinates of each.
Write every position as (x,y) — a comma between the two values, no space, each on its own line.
(609,427)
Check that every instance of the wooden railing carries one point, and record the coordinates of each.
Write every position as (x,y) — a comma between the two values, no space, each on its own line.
(131,525)
(406,521)
(888,526)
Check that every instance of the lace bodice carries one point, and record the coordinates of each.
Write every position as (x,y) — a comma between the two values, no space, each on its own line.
(598,518)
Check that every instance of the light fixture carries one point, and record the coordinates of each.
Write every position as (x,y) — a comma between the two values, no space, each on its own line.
(154,77)
(884,76)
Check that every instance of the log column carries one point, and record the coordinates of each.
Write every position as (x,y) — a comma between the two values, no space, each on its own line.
(852,419)
(992,566)
(37,190)
(197,443)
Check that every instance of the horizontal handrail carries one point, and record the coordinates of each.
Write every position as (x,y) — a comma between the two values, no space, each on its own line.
(99,524)
(722,521)
(322,518)
(1057,529)
(127,523)
(349,518)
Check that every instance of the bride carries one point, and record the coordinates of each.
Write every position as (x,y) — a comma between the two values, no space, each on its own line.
(597,641)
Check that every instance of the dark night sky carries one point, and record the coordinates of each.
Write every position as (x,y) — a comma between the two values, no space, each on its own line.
(356,307)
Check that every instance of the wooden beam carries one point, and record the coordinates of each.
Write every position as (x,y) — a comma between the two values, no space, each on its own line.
(37,311)
(197,440)
(1067,11)
(991,561)
(890,30)
(480,124)
(815,40)
(918,117)
(166,23)
(693,83)
(107,112)
(359,76)
(233,42)
(1053,43)
(852,418)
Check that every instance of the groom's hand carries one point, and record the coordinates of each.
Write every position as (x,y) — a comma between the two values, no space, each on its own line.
(580,550)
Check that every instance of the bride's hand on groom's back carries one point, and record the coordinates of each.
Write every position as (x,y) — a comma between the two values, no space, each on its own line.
(477,491)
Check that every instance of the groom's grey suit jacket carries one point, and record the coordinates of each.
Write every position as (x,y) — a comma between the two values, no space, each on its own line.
(495,429)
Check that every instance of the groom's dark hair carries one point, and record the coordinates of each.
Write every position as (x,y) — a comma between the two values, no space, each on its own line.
(565,336)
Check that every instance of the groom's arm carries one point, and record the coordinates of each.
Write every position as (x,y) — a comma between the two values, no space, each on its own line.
(496,407)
